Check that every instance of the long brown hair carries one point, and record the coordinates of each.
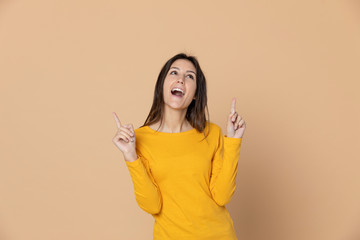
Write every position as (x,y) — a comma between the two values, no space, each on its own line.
(195,113)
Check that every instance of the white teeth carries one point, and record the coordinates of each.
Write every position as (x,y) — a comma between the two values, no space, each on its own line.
(178,89)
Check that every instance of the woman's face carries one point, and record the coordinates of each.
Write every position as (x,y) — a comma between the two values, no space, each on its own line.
(180,84)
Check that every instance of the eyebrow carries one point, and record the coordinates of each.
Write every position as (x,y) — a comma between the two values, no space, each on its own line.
(187,70)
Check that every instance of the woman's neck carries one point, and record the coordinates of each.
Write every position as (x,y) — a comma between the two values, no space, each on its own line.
(174,121)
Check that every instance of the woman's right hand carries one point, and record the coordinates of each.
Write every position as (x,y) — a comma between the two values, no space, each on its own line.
(125,139)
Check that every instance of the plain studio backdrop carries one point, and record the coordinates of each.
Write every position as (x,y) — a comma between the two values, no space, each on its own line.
(65,66)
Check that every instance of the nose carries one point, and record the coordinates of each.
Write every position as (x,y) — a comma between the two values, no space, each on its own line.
(180,80)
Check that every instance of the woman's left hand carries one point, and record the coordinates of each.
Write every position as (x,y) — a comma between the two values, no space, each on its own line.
(235,125)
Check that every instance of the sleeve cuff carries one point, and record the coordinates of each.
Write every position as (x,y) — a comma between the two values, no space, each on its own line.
(134,163)
(234,141)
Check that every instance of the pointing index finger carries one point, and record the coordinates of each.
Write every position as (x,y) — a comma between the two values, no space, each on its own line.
(233,105)
(117,120)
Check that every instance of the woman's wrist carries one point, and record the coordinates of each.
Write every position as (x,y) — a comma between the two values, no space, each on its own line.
(131,156)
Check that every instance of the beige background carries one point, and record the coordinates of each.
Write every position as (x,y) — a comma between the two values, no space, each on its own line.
(65,66)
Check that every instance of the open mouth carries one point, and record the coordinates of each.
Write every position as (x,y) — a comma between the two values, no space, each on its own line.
(177,92)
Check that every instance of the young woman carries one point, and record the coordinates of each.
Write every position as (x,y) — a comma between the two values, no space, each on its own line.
(183,169)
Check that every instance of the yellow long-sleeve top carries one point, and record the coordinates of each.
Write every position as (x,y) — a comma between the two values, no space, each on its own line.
(185,182)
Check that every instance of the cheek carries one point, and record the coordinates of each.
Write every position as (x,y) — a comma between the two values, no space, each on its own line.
(165,85)
(167,82)
(193,88)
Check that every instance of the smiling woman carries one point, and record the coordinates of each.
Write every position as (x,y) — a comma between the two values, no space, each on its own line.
(181,180)
(183,73)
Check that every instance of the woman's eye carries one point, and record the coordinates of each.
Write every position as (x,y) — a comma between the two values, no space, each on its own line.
(191,76)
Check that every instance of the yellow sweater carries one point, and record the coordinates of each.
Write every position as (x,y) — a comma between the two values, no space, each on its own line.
(185,182)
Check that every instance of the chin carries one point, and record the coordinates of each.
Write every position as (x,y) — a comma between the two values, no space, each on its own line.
(177,107)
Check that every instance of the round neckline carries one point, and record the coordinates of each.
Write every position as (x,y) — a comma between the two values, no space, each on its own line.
(172,134)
